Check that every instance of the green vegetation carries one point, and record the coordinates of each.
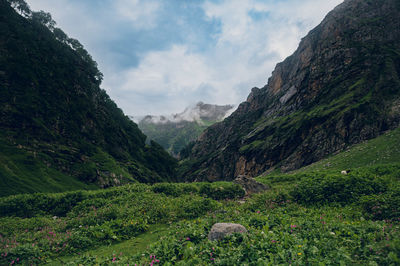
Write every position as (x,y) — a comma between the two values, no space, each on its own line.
(314,215)
(306,218)
(38,227)
(381,150)
(21,172)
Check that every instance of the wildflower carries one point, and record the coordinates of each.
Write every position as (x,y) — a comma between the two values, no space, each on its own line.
(299,253)
(188,239)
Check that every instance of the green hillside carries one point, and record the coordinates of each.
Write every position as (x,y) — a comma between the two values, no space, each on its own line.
(174,136)
(314,216)
(57,126)
(379,151)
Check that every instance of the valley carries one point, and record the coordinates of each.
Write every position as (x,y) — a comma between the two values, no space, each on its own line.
(82,183)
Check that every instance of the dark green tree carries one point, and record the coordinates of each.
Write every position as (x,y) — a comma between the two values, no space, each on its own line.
(44,18)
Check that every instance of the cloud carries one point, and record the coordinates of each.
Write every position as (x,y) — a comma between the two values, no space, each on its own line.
(142,13)
(253,37)
(158,58)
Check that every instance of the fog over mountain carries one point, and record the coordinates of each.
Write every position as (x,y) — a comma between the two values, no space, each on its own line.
(198,112)
(175,131)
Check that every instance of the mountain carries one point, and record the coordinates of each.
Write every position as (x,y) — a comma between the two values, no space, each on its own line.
(340,87)
(58,129)
(176,131)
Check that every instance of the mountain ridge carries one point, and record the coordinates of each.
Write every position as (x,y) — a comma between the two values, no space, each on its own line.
(339,88)
(53,109)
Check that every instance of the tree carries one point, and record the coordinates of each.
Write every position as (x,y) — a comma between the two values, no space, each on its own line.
(44,18)
(60,35)
(21,6)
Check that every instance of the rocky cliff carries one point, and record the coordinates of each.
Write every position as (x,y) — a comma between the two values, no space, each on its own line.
(340,87)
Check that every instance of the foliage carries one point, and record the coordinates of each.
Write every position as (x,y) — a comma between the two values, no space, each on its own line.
(59,224)
(336,188)
(282,229)
(217,190)
(385,206)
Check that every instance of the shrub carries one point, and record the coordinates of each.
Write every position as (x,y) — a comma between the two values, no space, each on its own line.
(168,189)
(221,190)
(384,206)
(217,190)
(30,205)
(336,188)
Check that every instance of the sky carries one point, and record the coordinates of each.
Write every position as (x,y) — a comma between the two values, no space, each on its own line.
(160,56)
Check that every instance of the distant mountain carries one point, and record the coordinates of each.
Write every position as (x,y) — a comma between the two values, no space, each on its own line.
(340,87)
(58,129)
(176,131)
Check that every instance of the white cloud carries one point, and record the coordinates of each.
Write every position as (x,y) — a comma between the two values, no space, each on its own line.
(142,13)
(246,51)
(254,36)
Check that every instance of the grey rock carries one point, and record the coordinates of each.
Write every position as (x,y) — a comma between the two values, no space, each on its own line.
(250,185)
(221,230)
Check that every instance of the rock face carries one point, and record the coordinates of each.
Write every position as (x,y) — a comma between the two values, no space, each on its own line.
(340,87)
(221,230)
(250,185)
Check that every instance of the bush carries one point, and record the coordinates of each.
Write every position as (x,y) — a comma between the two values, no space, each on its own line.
(168,189)
(221,190)
(337,188)
(384,206)
(217,190)
(30,205)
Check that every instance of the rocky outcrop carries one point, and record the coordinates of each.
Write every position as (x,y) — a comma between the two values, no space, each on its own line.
(221,230)
(340,87)
(250,185)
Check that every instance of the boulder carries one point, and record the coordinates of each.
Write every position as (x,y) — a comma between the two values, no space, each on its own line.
(250,185)
(221,230)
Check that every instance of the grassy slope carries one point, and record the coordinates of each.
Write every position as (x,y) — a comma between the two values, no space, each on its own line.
(125,248)
(20,172)
(382,150)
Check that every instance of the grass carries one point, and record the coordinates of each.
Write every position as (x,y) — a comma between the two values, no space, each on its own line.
(22,172)
(382,150)
(129,247)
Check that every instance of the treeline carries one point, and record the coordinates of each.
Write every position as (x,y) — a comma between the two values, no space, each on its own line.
(45,19)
